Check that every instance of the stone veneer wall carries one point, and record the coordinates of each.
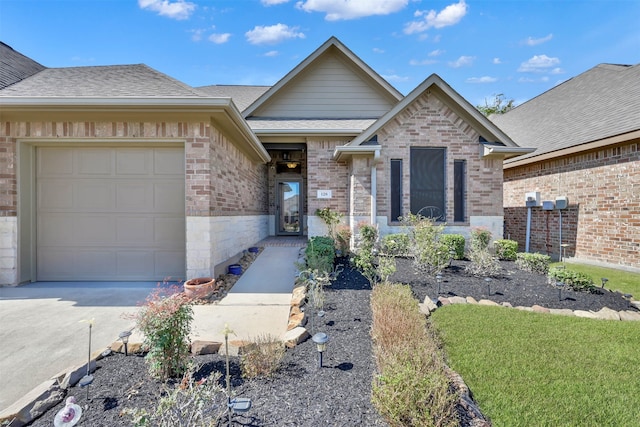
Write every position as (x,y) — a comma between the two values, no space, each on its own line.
(220,181)
(602,223)
(428,122)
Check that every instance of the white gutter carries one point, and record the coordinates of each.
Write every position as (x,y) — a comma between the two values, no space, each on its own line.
(346,150)
(501,151)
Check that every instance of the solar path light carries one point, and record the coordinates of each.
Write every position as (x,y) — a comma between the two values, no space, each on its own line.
(321,345)
(124,337)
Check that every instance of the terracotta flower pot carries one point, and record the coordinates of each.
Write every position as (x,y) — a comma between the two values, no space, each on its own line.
(202,287)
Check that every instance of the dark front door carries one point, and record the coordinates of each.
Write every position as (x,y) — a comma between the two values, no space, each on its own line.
(289,214)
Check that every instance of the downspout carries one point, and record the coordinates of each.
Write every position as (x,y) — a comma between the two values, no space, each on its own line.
(374,186)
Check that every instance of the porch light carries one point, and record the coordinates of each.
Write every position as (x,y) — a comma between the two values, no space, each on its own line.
(124,336)
(321,345)
(292,165)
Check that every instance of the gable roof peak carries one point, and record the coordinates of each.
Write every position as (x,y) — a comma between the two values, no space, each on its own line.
(332,43)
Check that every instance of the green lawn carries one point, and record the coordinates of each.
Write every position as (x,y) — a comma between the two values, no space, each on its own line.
(530,369)
(623,281)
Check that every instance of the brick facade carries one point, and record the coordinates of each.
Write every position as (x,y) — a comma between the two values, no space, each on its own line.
(220,181)
(428,122)
(602,222)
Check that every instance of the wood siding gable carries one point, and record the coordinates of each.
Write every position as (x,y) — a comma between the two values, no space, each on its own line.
(331,87)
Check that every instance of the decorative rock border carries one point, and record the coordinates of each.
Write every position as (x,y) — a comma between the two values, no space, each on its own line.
(428,306)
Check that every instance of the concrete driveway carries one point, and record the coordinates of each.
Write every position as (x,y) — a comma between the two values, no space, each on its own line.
(41,332)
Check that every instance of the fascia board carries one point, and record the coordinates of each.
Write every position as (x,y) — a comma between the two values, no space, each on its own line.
(503,152)
(342,152)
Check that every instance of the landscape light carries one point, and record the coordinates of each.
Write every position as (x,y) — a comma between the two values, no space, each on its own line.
(124,336)
(321,345)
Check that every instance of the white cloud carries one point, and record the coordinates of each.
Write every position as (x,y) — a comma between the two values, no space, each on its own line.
(497,61)
(437,52)
(557,70)
(484,79)
(423,62)
(538,64)
(378,50)
(196,35)
(448,16)
(272,53)
(219,38)
(395,78)
(272,34)
(543,79)
(337,10)
(463,61)
(530,41)
(179,9)
(272,2)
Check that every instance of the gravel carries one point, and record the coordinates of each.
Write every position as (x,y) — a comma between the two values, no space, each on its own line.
(301,393)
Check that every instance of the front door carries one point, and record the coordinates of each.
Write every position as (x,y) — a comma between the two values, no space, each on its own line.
(289,207)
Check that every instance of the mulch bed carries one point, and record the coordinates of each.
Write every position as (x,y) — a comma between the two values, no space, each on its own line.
(301,393)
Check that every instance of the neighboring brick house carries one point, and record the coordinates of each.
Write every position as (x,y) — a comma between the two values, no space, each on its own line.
(586,132)
(123,173)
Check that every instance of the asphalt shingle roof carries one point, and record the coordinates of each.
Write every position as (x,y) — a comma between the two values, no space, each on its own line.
(242,96)
(599,103)
(114,81)
(15,67)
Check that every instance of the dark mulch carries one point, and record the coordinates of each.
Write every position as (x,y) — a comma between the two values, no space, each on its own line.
(518,287)
(338,394)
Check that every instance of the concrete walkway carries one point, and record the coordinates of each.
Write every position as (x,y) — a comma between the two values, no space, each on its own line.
(41,333)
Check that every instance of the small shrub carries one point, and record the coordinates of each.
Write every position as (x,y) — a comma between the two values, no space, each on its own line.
(386,267)
(165,320)
(577,281)
(480,238)
(396,244)
(430,254)
(454,242)
(535,263)
(331,218)
(482,262)
(365,259)
(343,239)
(320,253)
(506,249)
(188,403)
(262,358)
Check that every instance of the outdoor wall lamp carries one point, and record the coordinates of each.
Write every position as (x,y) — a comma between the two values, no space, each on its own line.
(124,336)
(321,345)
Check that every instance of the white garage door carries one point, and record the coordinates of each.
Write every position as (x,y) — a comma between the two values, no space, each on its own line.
(110,213)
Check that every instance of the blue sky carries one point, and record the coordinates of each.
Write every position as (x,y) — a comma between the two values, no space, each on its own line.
(480,47)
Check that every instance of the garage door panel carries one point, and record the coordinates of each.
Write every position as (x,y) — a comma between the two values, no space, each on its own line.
(94,161)
(55,195)
(93,196)
(168,163)
(57,162)
(135,263)
(168,230)
(134,197)
(133,162)
(166,197)
(170,262)
(105,214)
(134,229)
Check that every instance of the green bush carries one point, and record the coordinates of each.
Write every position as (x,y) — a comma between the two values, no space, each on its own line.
(365,259)
(331,218)
(480,238)
(165,320)
(535,263)
(430,254)
(455,242)
(320,253)
(506,249)
(575,280)
(396,244)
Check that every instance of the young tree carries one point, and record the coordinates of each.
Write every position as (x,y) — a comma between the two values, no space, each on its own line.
(499,105)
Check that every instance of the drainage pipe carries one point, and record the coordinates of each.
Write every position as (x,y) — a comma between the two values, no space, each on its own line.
(528,229)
